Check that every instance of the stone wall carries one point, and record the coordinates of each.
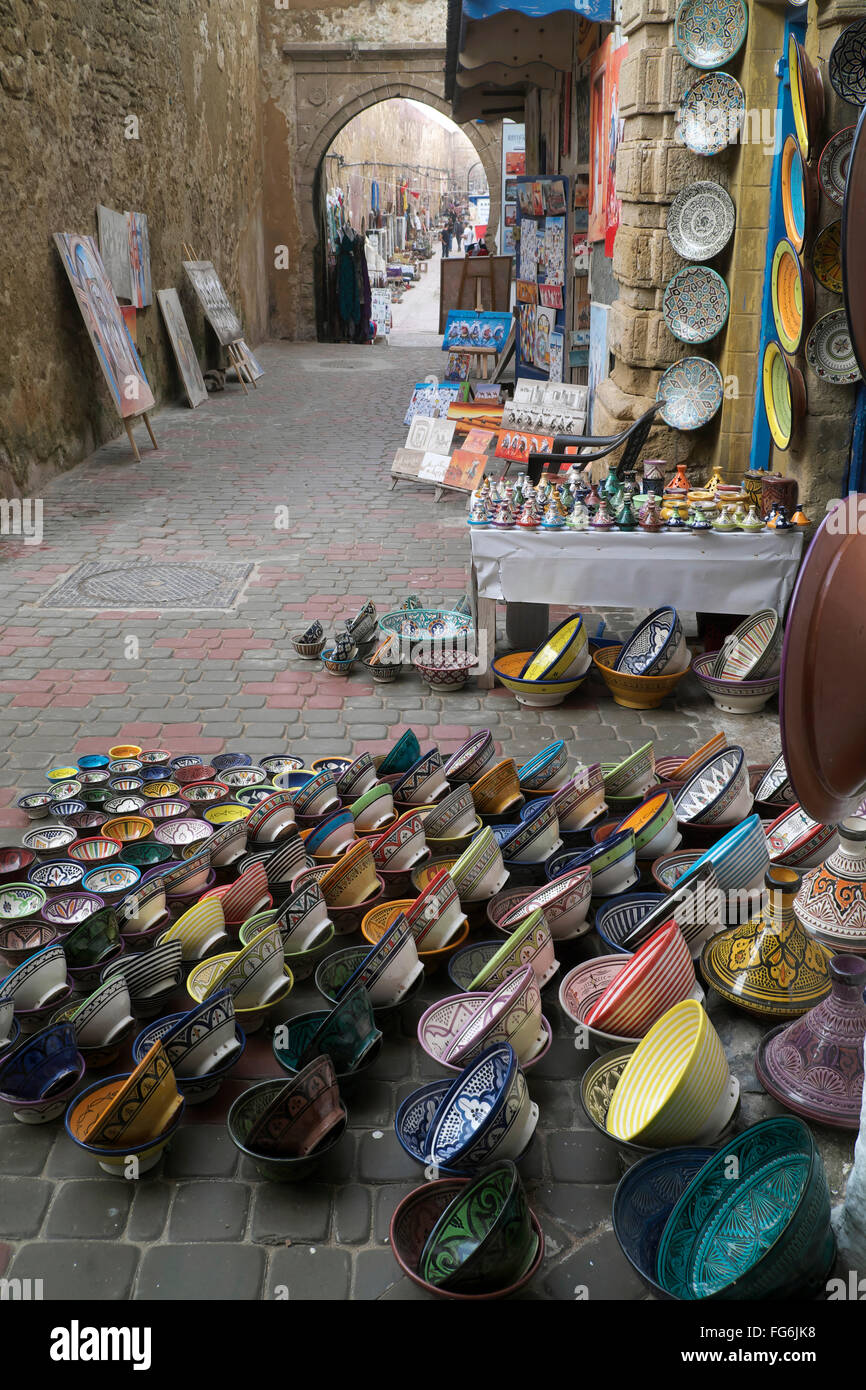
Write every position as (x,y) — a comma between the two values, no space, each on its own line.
(71,72)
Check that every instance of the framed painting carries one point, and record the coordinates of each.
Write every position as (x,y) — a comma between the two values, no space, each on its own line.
(139,259)
(465,330)
(214,301)
(114,249)
(120,363)
(181,346)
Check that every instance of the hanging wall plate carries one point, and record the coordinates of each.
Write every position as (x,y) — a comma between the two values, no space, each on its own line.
(701,221)
(784,394)
(799,194)
(692,392)
(695,304)
(709,32)
(853,231)
(793,295)
(711,113)
(829,351)
(827,256)
(847,66)
(833,164)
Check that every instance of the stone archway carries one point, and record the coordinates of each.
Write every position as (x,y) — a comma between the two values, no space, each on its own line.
(326,89)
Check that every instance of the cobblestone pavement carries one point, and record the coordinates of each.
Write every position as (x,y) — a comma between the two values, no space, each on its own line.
(317,437)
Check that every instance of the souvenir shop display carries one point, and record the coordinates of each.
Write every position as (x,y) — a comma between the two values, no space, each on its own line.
(542,235)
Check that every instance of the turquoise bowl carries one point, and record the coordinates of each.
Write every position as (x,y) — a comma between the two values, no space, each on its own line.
(762,1234)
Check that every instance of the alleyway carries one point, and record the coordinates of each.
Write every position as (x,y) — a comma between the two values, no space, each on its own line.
(316,438)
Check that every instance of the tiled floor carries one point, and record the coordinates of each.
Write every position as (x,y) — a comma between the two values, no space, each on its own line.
(295,480)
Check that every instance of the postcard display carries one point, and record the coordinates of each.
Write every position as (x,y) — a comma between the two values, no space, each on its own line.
(542,237)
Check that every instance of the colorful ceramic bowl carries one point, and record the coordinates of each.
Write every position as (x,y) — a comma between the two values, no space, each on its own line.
(644,1199)
(347,1033)
(352,879)
(562,655)
(612,864)
(633,775)
(719,793)
(498,790)
(436,915)
(799,842)
(510,1013)
(49,840)
(654,823)
(247,1113)
(447,670)
(425,624)
(111,1159)
(793,296)
(480,871)
(656,977)
(530,943)
(424,781)
(471,758)
(37,1079)
(564,902)
(547,771)
(97,849)
(484,1240)
(784,394)
(452,817)
(635,692)
(657,645)
(619,919)
(733,696)
(582,800)
(38,982)
(128,829)
(535,694)
(112,881)
(200,930)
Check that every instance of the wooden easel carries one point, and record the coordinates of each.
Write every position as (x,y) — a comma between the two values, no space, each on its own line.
(235,354)
(127,425)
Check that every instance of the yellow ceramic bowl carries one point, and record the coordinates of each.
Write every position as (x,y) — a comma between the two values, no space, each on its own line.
(425,873)
(635,692)
(124,750)
(200,983)
(677,1086)
(157,790)
(222,815)
(200,928)
(497,789)
(352,878)
(378,920)
(128,829)
(564,649)
(537,694)
(152,1090)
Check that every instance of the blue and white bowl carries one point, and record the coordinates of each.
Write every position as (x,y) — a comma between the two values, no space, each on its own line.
(315,795)
(656,646)
(333,835)
(536,836)
(390,969)
(486,1113)
(65,809)
(184,1046)
(546,771)
(424,781)
(614,921)
(39,1077)
(56,874)
(612,863)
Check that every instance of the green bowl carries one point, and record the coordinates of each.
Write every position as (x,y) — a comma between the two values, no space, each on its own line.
(761,1234)
(291,1040)
(146,855)
(484,1240)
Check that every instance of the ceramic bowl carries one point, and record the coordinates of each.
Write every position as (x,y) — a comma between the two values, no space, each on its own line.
(676,769)
(799,842)
(620,918)
(303,917)
(443,1023)
(656,647)
(579,992)
(635,692)
(20,941)
(535,837)
(246,1114)
(200,985)
(718,794)
(644,1199)
(194,1089)
(740,858)
(633,776)
(530,943)
(111,1159)
(243,777)
(535,694)
(510,1013)
(112,881)
(580,802)
(755,1229)
(93,942)
(485,1239)
(423,782)
(128,829)
(256,973)
(471,758)
(402,845)
(498,790)
(563,655)
(453,817)
(445,670)
(186,830)
(105,1016)
(200,930)
(127,804)
(142,1107)
(151,975)
(336,662)
(657,976)
(335,970)
(54,875)
(49,840)
(374,810)
(65,909)
(171,808)
(328,840)
(317,795)
(733,696)
(95,850)
(677,1087)
(352,879)
(436,915)
(414,1220)
(39,981)
(358,778)
(347,1034)
(37,1079)
(654,823)
(427,625)
(270,819)
(388,971)
(15,863)
(301,1115)
(612,864)
(547,771)
(307,650)
(753,649)
(480,871)
(484,1116)
(564,902)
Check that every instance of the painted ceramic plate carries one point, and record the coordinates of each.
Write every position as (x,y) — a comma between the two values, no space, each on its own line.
(701,220)
(792,294)
(829,351)
(799,194)
(711,113)
(827,256)
(833,164)
(853,260)
(709,32)
(847,65)
(695,304)
(783,394)
(692,393)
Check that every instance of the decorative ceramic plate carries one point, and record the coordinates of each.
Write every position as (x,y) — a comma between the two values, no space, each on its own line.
(833,164)
(823,670)
(853,260)
(695,304)
(781,394)
(711,113)
(792,296)
(847,66)
(701,221)
(799,194)
(829,351)
(692,393)
(827,256)
(709,32)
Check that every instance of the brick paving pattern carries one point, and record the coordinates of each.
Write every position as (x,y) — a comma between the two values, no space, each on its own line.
(317,438)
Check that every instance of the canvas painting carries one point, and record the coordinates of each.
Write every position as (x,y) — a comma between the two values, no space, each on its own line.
(458,366)
(434,466)
(447,393)
(517,446)
(550,296)
(253,364)
(510,214)
(487,391)
(554,250)
(430,436)
(554,197)
(466,329)
(182,347)
(483,415)
(465,469)
(529,250)
(114,249)
(544,325)
(526,291)
(139,259)
(424,401)
(214,301)
(100,310)
(406,463)
(479,441)
(556,354)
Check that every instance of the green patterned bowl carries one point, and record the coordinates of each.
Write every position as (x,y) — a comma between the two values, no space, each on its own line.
(756,1228)
(484,1240)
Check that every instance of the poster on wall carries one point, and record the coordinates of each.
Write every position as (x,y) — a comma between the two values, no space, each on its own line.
(139,259)
(100,310)
(513,165)
(542,226)
(182,347)
(114,249)
(599,357)
(214,301)
(616,126)
(606,129)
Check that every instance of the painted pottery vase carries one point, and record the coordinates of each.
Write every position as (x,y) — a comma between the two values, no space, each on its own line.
(753,486)
(777,490)
(832,901)
(769,966)
(814,1066)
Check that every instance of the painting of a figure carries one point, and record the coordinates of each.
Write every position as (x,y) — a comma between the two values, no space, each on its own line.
(97,301)
(139,259)
(181,343)
(214,301)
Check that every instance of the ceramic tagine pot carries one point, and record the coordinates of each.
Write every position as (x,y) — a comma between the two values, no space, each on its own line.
(679,483)
(648,516)
(814,1066)
(769,966)
(832,901)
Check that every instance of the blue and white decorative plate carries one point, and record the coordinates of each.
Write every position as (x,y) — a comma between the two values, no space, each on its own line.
(709,32)
(711,113)
(701,220)
(695,304)
(692,391)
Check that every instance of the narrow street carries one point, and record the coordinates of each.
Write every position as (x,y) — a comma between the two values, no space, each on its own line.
(316,438)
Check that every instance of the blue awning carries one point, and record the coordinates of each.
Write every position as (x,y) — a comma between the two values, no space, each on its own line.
(599,10)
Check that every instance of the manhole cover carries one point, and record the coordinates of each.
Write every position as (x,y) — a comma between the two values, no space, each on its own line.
(164,587)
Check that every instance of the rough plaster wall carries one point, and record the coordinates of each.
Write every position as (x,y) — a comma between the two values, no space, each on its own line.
(70,73)
(367,21)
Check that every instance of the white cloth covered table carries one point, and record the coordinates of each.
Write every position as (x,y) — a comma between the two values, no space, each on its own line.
(703,572)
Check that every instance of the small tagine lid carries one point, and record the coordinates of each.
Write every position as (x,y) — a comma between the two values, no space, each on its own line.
(832,901)
(769,965)
(814,1066)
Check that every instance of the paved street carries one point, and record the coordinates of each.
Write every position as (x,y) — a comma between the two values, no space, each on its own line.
(316,439)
